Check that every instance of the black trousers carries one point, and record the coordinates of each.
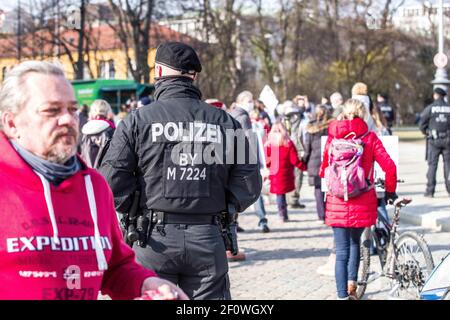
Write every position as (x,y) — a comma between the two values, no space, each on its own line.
(320,203)
(191,256)
(436,148)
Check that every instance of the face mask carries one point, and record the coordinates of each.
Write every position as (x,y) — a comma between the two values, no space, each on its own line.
(248,106)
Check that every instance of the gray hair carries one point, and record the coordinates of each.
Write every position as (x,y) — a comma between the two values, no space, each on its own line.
(244,95)
(12,92)
(336,99)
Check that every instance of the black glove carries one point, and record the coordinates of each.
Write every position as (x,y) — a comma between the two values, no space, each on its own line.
(390,197)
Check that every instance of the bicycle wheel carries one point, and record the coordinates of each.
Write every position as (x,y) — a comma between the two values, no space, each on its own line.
(413,265)
(364,265)
(447,296)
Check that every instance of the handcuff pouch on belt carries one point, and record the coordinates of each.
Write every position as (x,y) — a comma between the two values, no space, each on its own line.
(228,225)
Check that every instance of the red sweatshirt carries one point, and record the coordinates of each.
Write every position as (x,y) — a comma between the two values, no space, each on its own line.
(48,236)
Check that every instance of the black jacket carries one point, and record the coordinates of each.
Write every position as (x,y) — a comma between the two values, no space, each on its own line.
(436,117)
(143,154)
(388,112)
(313,155)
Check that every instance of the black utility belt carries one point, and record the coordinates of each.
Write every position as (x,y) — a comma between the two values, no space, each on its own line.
(440,135)
(184,218)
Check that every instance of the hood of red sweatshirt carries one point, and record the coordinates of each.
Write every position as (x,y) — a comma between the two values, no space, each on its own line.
(340,128)
(12,164)
(19,172)
(49,234)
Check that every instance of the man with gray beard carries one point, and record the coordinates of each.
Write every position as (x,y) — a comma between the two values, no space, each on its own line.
(46,191)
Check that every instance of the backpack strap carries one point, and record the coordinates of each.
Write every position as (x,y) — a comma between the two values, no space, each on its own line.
(349,134)
(371,185)
(344,182)
(354,135)
(371,168)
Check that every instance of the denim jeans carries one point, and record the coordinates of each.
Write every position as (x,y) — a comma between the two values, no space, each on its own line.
(282,206)
(347,257)
(260,211)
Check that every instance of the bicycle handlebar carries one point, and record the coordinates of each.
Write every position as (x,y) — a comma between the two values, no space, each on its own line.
(381,182)
(402,202)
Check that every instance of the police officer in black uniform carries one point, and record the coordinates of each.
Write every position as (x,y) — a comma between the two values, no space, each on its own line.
(165,150)
(387,110)
(435,124)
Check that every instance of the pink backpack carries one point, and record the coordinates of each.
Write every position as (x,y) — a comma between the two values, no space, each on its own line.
(345,177)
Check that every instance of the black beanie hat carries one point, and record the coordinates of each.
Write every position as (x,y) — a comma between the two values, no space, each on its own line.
(178,56)
(440,92)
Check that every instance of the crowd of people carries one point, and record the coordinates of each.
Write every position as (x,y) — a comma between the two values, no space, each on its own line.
(302,123)
(291,140)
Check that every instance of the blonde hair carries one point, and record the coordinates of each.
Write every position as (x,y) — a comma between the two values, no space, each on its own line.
(100,108)
(353,108)
(244,95)
(278,135)
(359,88)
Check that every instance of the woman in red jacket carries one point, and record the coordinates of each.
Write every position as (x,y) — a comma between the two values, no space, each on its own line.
(281,159)
(349,218)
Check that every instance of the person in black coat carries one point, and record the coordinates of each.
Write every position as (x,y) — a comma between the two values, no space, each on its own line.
(312,156)
(179,153)
(435,125)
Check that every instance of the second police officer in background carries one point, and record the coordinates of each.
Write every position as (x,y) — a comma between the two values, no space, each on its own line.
(387,110)
(182,196)
(435,124)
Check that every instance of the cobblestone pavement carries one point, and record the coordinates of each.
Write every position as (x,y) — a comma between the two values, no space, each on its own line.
(282,264)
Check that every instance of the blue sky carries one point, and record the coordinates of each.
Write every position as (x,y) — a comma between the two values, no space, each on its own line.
(7,5)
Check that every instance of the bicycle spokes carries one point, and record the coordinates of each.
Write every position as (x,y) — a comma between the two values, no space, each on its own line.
(412,266)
